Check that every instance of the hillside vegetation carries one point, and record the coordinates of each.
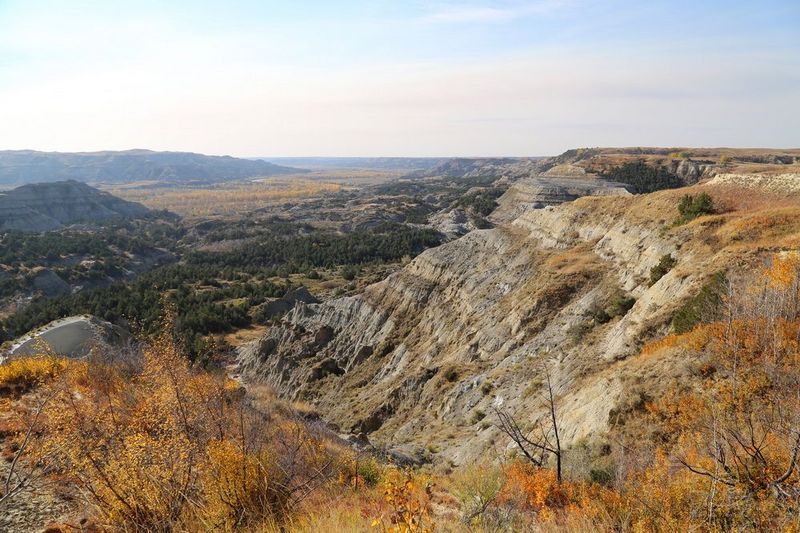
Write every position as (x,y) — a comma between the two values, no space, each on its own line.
(599,358)
(152,445)
(214,291)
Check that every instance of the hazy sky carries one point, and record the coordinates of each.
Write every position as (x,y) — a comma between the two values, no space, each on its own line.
(379,77)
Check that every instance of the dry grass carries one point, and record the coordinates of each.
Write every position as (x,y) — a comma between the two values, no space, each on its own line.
(229,199)
(767,227)
(244,335)
(580,260)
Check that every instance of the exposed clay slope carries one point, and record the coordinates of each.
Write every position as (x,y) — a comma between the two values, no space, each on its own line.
(542,191)
(422,357)
(72,337)
(50,206)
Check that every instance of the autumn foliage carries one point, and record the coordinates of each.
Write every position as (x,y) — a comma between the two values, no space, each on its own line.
(725,452)
(153,445)
(22,373)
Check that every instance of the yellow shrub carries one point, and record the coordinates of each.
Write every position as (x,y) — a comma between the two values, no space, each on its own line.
(26,372)
(241,487)
(156,445)
(408,506)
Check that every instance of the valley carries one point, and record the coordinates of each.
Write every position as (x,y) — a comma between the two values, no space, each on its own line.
(405,321)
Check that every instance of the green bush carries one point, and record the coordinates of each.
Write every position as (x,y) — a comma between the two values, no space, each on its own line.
(349,272)
(481,223)
(704,306)
(481,203)
(600,476)
(577,332)
(691,207)
(620,305)
(451,374)
(664,265)
(370,471)
(599,314)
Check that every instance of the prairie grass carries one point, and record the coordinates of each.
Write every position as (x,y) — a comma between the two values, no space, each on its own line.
(228,199)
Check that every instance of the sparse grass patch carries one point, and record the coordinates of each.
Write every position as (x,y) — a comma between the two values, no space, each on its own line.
(477,416)
(773,227)
(533,388)
(577,332)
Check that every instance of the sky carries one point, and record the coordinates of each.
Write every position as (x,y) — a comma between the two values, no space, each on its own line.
(397,78)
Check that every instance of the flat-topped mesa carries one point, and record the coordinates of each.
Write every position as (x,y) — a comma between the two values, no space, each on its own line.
(549,190)
(27,166)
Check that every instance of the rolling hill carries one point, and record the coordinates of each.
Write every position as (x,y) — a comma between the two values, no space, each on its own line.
(50,206)
(18,167)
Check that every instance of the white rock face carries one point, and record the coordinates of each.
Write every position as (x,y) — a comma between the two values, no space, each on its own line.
(453,223)
(422,356)
(787,183)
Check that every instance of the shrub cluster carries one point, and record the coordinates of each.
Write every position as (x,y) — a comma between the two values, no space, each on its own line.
(691,207)
(664,265)
(20,374)
(157,446)
(619,304)
(703,307)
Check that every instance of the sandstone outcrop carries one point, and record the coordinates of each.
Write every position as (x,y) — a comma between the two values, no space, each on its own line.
(541,191)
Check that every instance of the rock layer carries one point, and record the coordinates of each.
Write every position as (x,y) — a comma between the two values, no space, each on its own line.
(423,357)
(541,191)
(50,206)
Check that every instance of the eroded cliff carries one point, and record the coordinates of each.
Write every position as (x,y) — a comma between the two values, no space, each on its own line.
(422,358)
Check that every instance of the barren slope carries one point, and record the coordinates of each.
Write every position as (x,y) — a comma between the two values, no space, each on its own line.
(421,358)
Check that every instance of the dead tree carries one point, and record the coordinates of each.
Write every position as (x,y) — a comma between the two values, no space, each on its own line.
(543,439)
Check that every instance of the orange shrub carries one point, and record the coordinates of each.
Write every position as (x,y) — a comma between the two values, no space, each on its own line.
(536,489)
(155,445)
(25,372)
